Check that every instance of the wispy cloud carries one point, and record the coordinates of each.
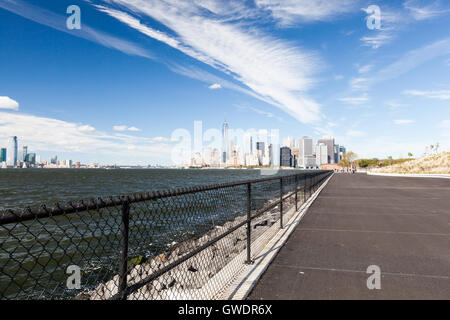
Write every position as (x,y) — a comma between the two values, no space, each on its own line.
(58,22)
(440,94)
(409,61)
(403,121)
(423,10)
(215,86)
(271,68)
(290,12)
(394,20)
(377,40)
(8,103)
(126,128)
(355,100)
(52,135)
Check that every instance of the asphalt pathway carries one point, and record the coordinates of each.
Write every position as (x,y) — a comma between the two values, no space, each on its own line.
(401,225)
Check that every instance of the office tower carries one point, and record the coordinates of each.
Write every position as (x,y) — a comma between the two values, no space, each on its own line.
(3,155)
(11,159)
(337,158)
(342,151)
(329,142)
(260,147)
(24,153)
(305,152)
(285,157)
(30,158)
(225,143)
(321,154)
(271,154)
(54,160)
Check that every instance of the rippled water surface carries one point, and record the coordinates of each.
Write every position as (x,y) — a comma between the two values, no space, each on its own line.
(20,188)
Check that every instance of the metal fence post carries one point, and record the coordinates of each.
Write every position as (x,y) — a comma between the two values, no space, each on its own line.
(249,220)
(296,193)
(123,268)
(281,203)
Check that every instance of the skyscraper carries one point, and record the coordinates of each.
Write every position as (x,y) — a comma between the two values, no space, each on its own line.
(321,154)
(305,153)
(285,157)
(225,143)
(24,153)
(329,142)
(3,155)
(11,155)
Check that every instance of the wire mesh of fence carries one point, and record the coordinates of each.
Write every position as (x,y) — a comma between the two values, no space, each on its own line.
(181,244)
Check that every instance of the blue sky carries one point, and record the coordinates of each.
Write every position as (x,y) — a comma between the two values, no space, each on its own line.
(115,91)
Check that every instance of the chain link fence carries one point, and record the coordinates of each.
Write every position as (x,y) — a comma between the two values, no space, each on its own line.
(181,244)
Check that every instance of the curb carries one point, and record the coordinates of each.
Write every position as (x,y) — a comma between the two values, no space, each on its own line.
(435,176)
(246,280)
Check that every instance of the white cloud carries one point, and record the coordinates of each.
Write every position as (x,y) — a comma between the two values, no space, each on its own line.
(8,103)
(408,62)
(126,128)
(393,104)
(400,122)
(53,20)
(423,10)
(440,94)
(376,41)
(275,70)
(359,83)
(46,134)
(355,100)
(215,86)
(365,69)
(120,128)
(289,12)
(134,129)
(86,128)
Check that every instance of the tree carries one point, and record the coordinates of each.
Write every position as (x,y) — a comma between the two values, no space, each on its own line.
(410,155)
(348,160)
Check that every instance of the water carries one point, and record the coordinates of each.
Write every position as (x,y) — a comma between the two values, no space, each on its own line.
(34,187)
(36,253)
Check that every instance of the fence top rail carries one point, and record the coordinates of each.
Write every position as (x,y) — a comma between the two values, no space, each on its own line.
(10,216)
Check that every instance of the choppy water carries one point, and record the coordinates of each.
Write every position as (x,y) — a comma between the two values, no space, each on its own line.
(34,255)
(21,188)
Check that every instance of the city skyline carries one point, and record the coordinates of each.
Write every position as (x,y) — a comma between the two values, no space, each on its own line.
(115,90)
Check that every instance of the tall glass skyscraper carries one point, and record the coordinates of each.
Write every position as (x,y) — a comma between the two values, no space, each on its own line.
(11,155)
(3,155)
(225,143)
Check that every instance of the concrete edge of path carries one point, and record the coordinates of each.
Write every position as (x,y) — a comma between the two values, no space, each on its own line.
(436,176)
(249,276)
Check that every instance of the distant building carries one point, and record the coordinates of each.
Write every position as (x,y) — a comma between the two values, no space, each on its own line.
(285,157)
(260,147)
(225,143)
(329,142)
(342,152)
(337,157)
(24,153)
(11,156)
(30,158)
(3,155)
(321,154)
(306,152)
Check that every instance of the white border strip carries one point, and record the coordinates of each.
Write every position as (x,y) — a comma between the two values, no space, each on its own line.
(250,274)
(439,176)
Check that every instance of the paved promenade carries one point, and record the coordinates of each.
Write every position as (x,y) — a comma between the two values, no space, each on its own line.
(401,225)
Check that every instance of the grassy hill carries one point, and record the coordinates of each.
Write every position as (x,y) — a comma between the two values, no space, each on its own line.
(435,164)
